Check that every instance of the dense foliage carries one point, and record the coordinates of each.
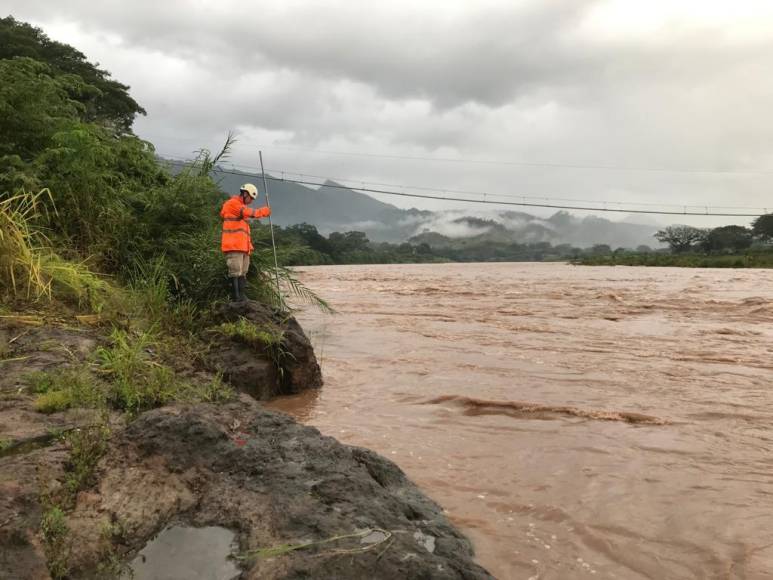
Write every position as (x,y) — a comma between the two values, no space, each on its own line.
(730,239)
(107,101)
(109,206)
(723,247)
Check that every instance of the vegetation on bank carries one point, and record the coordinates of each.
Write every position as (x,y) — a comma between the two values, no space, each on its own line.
(687,260)
(85,204)
(303,245)
(95,231)
(723,247)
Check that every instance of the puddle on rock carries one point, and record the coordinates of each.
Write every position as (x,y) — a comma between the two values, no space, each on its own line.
(182,553)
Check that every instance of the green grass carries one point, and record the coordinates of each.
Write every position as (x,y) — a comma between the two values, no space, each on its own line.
(250,333)
(56,542)
(153,289)
(132,380)
(214,391)
(750,260)
(87,446)
(65,389)
(268,339)
(111,565)
(138,381)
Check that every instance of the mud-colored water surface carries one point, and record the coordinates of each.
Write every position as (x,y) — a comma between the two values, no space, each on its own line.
(573,421)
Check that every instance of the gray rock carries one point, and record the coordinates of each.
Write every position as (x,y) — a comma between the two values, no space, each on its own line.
(252,369)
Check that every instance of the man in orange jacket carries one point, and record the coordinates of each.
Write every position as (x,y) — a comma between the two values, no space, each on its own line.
(236,242)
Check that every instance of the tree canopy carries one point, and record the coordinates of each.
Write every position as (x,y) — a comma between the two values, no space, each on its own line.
(680,238)
(728,238)
(107,101)
(762,227)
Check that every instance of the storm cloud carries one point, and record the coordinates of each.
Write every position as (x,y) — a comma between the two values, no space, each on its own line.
(673,97)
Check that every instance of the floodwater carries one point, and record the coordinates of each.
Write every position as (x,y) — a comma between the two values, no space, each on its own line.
(575,422)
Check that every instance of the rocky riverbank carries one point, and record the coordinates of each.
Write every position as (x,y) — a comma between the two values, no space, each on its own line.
(84,488)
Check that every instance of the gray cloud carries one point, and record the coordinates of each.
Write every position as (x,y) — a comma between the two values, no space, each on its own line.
(542,81)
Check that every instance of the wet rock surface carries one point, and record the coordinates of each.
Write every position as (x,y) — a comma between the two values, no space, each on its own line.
(253,370)
(271,481)
(284,490)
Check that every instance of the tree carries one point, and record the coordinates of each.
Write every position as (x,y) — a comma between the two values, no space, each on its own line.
(732,238)
(680,238)
(343,243)
(108,104)
(309,235)
(762,228)
(601,249)
(34,105)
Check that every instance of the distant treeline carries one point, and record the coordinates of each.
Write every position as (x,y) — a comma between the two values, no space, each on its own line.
(728,246)
(723,247)
(302,244)
(758,258)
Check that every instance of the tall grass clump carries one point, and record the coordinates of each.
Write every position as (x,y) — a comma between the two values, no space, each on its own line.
(154,291)
(138,381)
(74,283)
(21,272)
(30,270)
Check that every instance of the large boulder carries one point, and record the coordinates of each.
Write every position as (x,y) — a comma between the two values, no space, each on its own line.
(275,483)
(263,370)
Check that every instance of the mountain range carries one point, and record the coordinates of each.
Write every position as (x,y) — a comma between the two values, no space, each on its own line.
(333,207)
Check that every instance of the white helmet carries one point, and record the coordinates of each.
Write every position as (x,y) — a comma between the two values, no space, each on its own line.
(250,190)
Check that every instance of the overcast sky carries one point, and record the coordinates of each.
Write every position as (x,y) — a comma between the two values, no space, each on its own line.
(676,96)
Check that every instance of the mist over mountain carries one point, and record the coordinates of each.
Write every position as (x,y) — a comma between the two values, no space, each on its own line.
(335,208)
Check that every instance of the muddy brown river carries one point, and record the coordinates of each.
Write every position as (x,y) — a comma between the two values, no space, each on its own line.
(575,422)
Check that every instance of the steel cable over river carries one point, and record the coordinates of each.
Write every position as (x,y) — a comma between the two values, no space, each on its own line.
(576,422)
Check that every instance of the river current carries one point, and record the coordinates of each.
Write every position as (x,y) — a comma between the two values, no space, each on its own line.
(574,422)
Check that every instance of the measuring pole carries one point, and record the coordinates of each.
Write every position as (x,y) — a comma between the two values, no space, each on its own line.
(271,227)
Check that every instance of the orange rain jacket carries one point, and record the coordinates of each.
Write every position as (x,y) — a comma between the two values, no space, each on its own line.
(236,230)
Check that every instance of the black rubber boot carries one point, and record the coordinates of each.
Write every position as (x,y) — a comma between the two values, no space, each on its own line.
(243,287)
(236,295)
